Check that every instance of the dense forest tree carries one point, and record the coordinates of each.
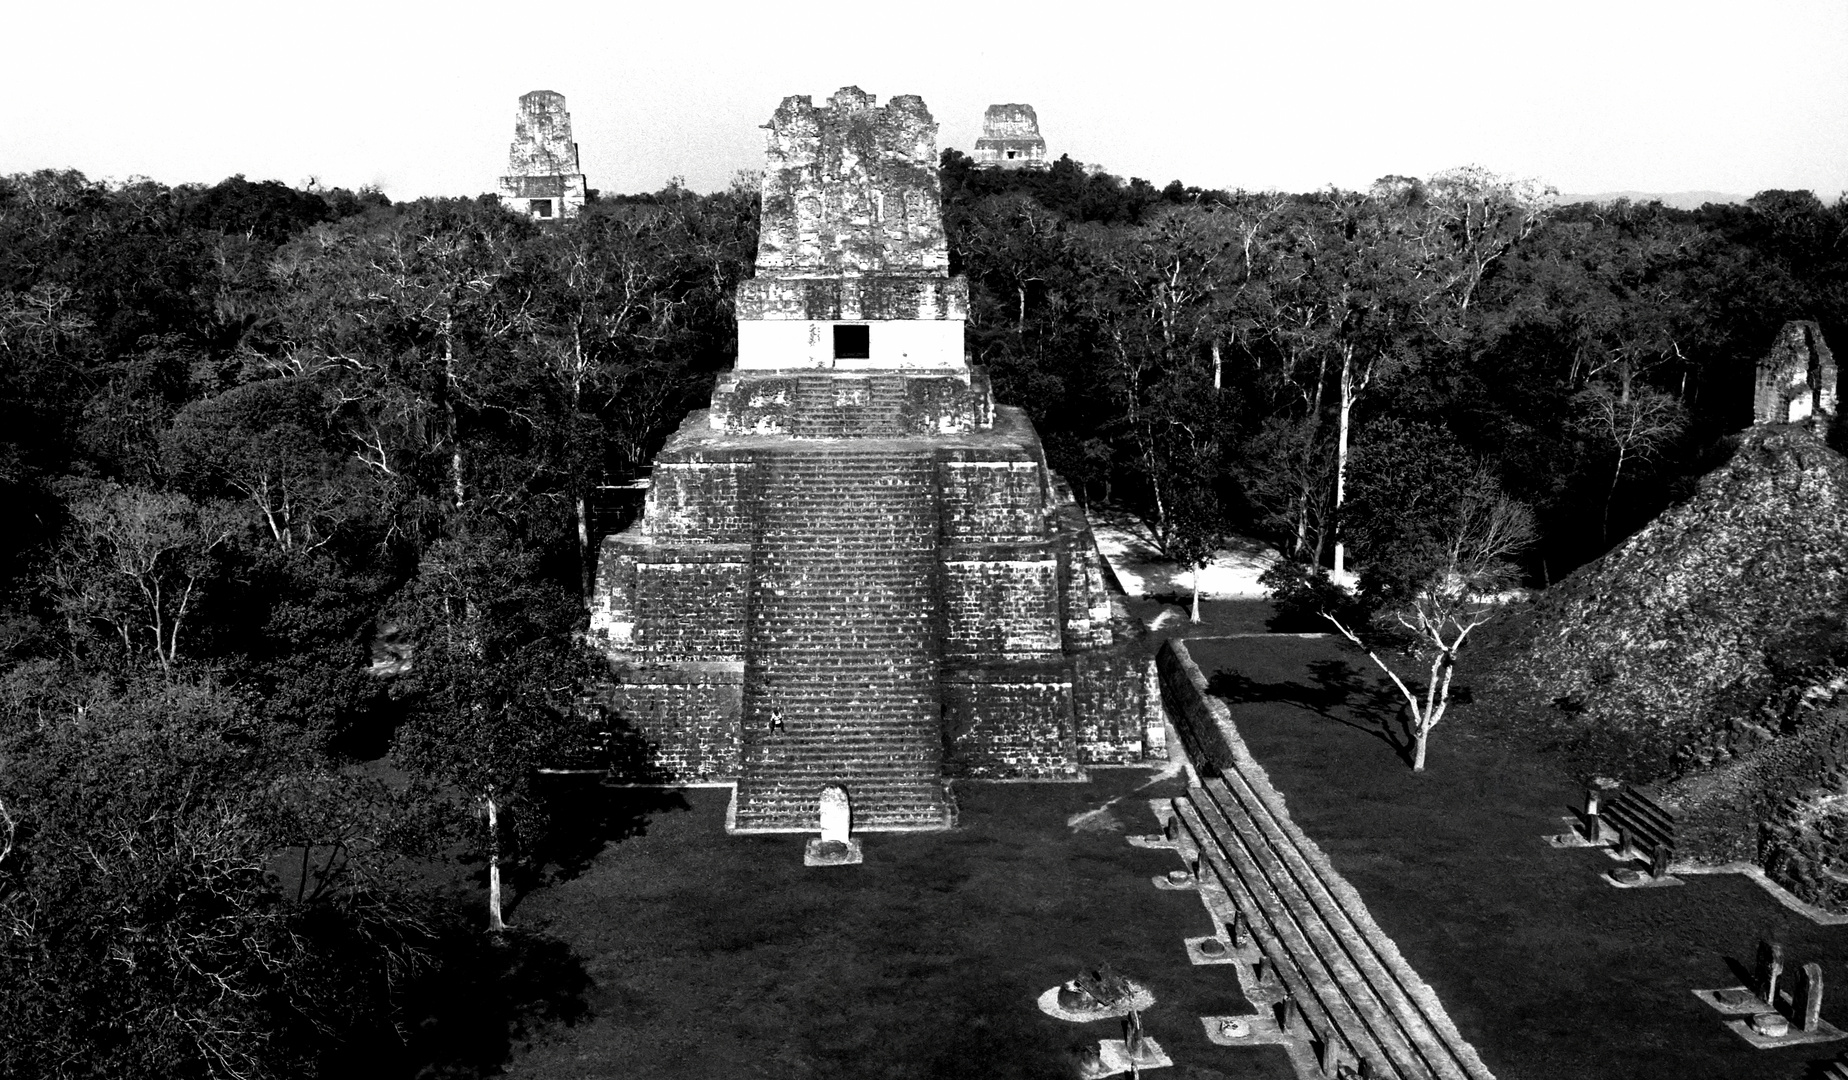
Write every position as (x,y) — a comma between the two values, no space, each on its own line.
(304,491)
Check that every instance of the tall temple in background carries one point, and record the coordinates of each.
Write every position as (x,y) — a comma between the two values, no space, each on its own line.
(543,178)
(855,568)
(1010,139)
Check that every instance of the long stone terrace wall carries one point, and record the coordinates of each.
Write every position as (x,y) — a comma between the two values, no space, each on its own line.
(1198,715)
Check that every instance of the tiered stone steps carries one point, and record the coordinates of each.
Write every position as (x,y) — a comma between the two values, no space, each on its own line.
(843,643)
(816,413)
(1357,996)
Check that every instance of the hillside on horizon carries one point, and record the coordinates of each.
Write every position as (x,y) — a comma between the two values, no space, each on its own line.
(1679,200)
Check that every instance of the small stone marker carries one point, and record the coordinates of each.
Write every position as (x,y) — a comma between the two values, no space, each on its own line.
(1770,968)
(1288,1015)
(1808,1005)
(1658,861)
(1594,828)
(1329,1056)
(1771,1024)
(1173,829)
(1240,932)
(835,846)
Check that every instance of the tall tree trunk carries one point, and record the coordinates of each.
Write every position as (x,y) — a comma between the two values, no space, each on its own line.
(449,416)
(585,582)
(1616,473)
(1341,456)
(1218,367)
(495,923)
(1196,592)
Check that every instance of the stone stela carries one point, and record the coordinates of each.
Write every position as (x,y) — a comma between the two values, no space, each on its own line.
(1010,139)
(543,178)
(836,845)
(1771,1013)
(855,568)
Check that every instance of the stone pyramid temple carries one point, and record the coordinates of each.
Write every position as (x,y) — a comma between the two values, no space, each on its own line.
(855,568)
(1010,139)
(543,178)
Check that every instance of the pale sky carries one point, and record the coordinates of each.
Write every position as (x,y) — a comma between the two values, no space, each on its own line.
(420,98)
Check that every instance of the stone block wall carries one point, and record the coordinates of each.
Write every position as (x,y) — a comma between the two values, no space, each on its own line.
(854,299)
(1197,715)
(1001,607)
(993,501)
(1110,707)
(701,499)
(1011,722)
(684,720)
(712,583)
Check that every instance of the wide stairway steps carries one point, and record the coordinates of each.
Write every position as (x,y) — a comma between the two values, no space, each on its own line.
(830,407)
(841,685)
(1359,1000)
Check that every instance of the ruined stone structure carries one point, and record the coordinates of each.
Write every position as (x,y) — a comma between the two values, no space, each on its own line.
(1796,379)
(1010,139)
(543,178)
(855,568)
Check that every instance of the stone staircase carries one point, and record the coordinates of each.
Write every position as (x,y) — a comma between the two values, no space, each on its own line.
(1355,998)
(843,647)
(834,407)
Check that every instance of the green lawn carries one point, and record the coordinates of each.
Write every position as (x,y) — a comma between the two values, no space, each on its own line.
(1547,970)
(719,956)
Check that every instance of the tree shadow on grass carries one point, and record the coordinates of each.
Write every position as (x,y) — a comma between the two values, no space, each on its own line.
(584,816)
(482,996)
(493,992)
(1338,693)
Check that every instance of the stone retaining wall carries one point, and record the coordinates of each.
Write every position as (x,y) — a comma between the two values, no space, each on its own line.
(1197,715)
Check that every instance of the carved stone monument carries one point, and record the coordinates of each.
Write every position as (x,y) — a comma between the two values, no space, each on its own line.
(1807,1006)
(836,845)
(1796,379)
(543,179)
(1010,139)
(855,568)
(1769,969)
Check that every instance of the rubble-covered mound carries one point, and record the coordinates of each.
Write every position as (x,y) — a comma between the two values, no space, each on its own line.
(1699,638)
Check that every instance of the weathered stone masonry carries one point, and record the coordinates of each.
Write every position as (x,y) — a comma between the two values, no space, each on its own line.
(854,567)
(543,177)
(1010,139)
(1795,381)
